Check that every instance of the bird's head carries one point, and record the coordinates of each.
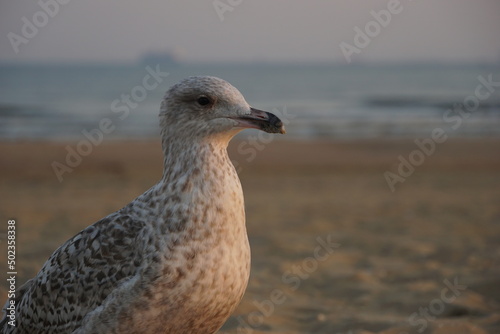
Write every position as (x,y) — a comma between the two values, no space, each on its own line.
(203,106)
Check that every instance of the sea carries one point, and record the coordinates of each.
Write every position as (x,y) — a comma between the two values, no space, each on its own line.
(316,101)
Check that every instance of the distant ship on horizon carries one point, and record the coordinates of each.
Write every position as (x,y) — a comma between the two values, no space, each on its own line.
(161,57)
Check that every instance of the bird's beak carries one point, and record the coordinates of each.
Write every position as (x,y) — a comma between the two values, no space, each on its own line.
(262,120)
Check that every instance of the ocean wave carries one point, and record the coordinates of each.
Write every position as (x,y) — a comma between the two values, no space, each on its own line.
(408,103)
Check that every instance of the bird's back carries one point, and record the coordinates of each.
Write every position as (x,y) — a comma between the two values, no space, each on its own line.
(78,277)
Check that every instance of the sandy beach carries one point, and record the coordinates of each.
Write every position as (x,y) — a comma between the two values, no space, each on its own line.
(334,249)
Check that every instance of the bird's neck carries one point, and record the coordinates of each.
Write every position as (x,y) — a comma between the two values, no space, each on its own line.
(191,158)
(199,190)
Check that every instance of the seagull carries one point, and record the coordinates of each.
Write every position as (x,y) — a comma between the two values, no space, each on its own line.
(174,260)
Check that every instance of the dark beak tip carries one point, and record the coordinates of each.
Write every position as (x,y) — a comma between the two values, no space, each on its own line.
(268,122)
(280,127)
(275,124)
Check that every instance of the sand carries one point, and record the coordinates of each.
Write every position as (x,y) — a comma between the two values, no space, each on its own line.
(334,250)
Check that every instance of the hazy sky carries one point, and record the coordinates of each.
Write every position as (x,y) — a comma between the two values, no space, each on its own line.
(251,30)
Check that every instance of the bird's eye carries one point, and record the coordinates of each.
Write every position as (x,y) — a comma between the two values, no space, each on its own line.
(204,100)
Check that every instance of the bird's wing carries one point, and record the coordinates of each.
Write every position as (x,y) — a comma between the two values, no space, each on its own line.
(79,276)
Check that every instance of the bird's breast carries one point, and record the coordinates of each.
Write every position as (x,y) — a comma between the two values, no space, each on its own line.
(205,264)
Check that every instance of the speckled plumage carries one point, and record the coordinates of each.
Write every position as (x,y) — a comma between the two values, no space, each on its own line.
(174,260)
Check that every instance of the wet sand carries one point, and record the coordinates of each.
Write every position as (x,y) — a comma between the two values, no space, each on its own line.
(334,250)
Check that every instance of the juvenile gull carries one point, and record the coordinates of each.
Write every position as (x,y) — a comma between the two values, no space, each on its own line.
(174,260)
